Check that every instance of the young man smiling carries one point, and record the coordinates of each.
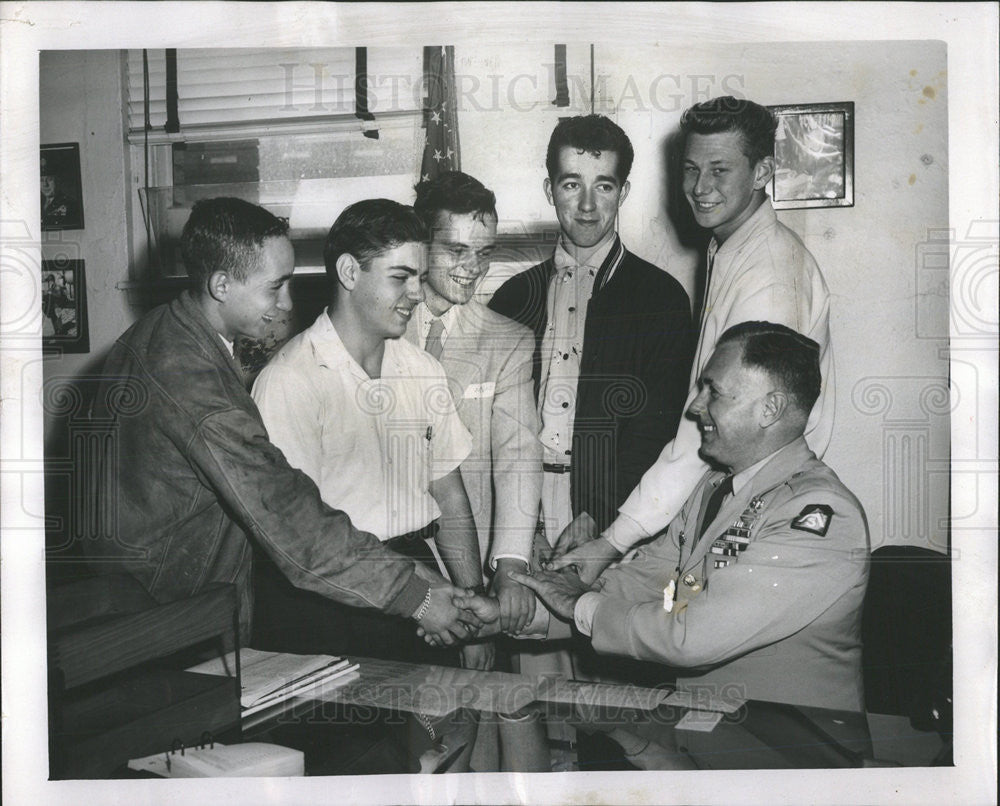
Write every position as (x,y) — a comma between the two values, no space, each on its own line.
(196,477)
(758,269)
(487,358)
(370,419)
(612,333)
(613,343)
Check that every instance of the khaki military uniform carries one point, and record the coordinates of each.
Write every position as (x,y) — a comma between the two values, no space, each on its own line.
(767,605)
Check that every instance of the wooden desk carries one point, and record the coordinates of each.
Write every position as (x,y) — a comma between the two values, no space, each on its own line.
(113,693)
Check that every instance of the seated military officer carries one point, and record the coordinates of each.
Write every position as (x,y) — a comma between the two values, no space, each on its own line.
(757,585)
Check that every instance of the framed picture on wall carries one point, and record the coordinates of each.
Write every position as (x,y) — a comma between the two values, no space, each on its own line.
(814,156)
(64,306)
(62,190)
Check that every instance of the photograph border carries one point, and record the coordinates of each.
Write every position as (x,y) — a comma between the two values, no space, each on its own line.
(969,30)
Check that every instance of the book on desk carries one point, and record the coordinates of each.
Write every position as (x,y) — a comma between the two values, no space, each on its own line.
(270,678)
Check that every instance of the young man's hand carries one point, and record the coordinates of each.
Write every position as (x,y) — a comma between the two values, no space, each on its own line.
(478,656)
(485,609)
(517,603)
(478,617)
(442,624)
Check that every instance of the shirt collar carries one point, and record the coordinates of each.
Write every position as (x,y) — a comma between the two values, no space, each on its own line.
(762,217)
(327,344)
(229,346)
(425,317)
(330,351)
(744,477)
(565,262)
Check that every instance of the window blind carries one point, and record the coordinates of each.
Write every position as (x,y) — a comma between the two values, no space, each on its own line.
(257,89)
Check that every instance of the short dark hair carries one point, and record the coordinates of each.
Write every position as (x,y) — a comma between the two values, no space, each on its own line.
(753,122)
(226,234)
(368,228)
(454,192)
(593,134)
(789,358)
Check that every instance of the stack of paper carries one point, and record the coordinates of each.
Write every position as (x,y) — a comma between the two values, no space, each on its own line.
(268,678)
(252,759)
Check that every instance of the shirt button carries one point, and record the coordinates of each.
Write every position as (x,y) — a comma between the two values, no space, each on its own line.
(565,405)
(565,356)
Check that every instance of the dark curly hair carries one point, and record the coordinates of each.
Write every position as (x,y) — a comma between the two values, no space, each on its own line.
(455,192)
(593,134)
(368,228)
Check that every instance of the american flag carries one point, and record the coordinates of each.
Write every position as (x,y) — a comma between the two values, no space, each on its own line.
(440,113)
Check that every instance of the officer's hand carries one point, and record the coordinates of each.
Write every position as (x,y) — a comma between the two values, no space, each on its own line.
(559,591)
(581,530)
(589,559)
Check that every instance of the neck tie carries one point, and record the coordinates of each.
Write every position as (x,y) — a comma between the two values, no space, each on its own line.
(715,503)
(434,343)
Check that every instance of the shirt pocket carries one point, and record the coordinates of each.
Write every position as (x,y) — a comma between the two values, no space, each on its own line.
(408,453)
(339,443)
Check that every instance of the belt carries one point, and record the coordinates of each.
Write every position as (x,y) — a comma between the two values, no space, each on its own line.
(427,532)
(549,468)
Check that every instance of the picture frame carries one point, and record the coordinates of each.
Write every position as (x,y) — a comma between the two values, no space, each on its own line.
(64,306)
(813,156)
(61,187)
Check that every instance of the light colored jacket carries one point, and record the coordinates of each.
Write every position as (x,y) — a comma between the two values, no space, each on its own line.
(487,360)
(762,272)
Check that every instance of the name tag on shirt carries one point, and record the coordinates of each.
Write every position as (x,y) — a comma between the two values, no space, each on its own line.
(477,391)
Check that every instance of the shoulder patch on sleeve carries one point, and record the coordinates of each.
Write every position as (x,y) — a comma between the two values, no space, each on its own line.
(814,518)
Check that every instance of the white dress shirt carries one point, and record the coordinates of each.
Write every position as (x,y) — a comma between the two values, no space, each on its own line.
(371,445)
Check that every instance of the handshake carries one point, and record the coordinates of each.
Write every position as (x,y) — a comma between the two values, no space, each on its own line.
(456,615)
(451,615)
